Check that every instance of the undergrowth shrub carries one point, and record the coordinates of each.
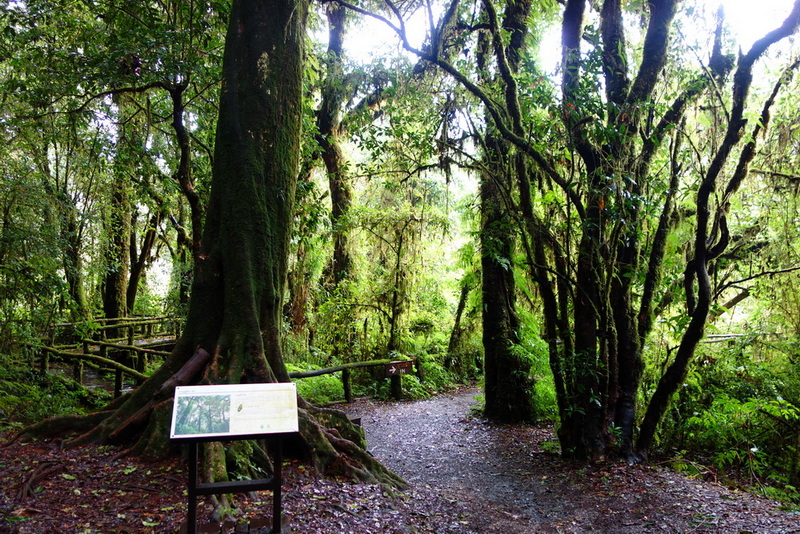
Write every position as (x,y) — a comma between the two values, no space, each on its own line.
(740,414)
(27,396)
(537,356)
(381,388)
(434,375)
(467,361)
(319,390)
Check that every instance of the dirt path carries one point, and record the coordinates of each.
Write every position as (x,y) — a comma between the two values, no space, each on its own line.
(508,483)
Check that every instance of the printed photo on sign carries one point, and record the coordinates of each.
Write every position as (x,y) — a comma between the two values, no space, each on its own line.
(207,414)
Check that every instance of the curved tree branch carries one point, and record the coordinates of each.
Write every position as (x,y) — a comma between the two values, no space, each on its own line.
(492,107)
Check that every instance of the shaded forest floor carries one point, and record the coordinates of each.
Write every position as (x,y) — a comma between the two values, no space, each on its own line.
(465,476)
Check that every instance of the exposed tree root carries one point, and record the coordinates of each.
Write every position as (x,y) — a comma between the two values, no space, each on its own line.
(44,470)
(326,438)
(338,447)
(59,426)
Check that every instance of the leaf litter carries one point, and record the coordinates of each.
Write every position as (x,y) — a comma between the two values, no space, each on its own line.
(465,476)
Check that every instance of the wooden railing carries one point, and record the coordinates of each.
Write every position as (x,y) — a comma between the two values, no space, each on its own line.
(99,329)
(94,351)
(127,358)
(401,367)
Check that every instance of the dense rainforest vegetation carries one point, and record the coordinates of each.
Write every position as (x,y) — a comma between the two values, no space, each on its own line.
(590,206)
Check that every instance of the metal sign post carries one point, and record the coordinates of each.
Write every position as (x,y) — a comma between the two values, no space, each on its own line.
(234,412)
(240,486)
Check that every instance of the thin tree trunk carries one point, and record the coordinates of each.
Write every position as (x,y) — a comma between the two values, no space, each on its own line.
(328,122)
(708,242)
(397,292)
(118,234)
(509,388)
(73,262)
(455,334)
(140,258)
(330,128)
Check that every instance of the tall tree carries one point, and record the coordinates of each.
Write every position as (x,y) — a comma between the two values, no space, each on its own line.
(233,328)
(508,386)
(118,220)
(329,118)
(599,154)
(335,88)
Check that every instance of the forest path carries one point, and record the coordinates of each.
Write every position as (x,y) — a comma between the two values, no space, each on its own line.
(438,443)
(502,480)
(465,476)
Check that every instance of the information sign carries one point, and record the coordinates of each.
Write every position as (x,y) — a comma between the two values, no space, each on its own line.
(229,410)
(402,367)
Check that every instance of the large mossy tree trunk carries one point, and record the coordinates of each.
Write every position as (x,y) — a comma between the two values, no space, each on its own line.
(232,333)
(508,387)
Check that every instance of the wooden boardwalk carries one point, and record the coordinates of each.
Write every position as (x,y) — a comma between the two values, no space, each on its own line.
(134,343)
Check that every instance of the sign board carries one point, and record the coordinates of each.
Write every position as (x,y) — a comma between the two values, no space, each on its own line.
(403,367)
(229,410)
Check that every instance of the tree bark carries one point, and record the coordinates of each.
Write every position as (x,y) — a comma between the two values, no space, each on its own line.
(71,233)
(455,361)
(118,234)
(329,124)
(708,243)
(509,389)
(140,259)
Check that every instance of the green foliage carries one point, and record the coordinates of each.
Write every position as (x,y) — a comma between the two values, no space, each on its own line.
(436,377)
(148,302)
(535,352)
(241,461)
(414,388)
(27,397)
(741,415)
(319,390)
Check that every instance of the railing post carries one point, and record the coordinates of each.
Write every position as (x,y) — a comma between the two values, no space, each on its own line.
(347,384)
(142,362)
(77,371)
(117,383)
(397,387)
(44,363)
(133,357)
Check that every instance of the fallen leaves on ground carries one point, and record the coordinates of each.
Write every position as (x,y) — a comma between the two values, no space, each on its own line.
(465,475)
